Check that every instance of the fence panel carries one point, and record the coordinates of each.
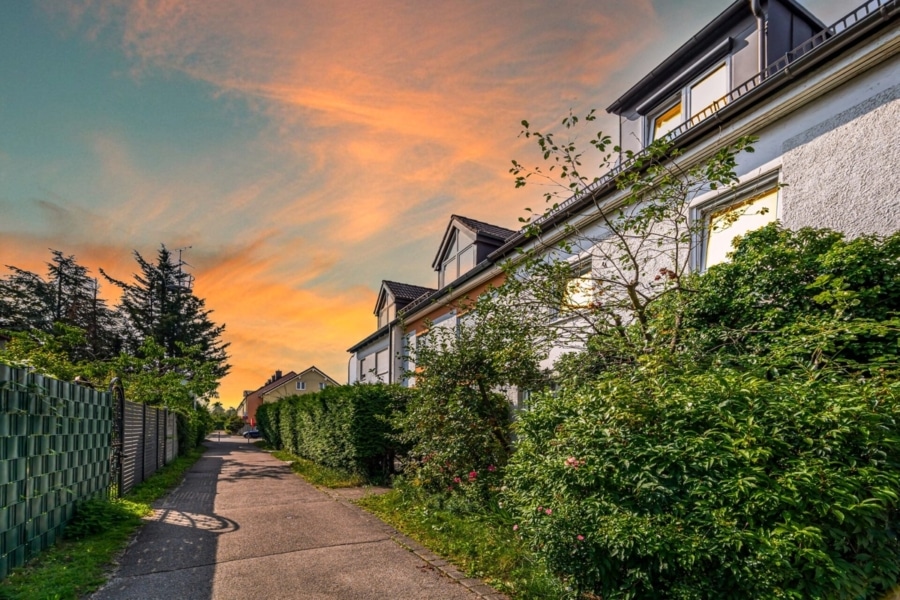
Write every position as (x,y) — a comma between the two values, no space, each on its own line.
(133,446)
(54,451)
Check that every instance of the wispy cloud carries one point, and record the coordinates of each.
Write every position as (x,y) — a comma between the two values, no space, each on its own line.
(381,119)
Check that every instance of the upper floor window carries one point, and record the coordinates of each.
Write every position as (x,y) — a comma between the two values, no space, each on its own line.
(322,385)
(707,90)
(301,385)
(459,260)
(387,313)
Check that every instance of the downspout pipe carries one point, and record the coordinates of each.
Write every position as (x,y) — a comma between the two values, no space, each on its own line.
(756,9)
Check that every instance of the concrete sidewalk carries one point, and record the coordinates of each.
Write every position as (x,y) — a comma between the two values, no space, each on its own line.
(242,525)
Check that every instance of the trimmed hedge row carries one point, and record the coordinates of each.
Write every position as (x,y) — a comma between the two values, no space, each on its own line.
(345,427)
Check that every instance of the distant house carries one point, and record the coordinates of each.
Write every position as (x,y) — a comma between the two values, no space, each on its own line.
(305,382)
(254,398)
(281,385)
(405,312)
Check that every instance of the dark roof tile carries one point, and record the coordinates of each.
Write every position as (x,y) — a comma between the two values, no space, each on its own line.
(405,291)
(494,231)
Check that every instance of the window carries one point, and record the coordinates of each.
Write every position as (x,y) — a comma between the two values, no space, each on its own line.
(381,366)
(301,385)
(579,290)
(322,385)
(710,88)
(387,312)
(459,260)
(728,223)
(667,121)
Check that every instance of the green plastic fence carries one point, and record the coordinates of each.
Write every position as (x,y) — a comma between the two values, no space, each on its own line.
(54,451)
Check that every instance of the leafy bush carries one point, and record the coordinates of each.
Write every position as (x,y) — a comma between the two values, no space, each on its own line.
(345,427)
(713,485)
(841,297)
(458,425)
(97,515)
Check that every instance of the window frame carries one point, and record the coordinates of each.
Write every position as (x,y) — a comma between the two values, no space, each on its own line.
(744,192)
(683,98)
(301,386)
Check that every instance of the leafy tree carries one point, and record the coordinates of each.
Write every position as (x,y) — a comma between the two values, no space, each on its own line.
(69,298)
(637,252)
(459,421)
(840,297)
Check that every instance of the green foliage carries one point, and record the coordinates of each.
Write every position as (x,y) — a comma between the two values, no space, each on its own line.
(96,516)
(807,296)
(482,543)
(317,474)
(233,424)
(344,427)
(714,484)
(639,248)
(458,424)
(159,305)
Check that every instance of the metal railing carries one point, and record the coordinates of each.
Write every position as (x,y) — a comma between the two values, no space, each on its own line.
(837,30)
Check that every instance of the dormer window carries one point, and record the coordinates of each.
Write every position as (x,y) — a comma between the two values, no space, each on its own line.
(458,260)
(709,89)
(387,313)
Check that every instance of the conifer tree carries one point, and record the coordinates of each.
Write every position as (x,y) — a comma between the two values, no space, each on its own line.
(160,305)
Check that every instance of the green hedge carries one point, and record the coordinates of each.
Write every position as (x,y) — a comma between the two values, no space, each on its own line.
(345,427)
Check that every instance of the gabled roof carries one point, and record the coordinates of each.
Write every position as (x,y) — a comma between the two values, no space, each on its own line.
(701,43)
(406,291)
(320,372)
(271,386)
(484,232)
(495,231)
(403,293)
(289,378)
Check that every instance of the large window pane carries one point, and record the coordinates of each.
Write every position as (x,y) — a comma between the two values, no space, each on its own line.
(710,89)
(466,260)
(737,220)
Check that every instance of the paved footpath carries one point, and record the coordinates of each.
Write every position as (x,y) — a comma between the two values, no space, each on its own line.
(243,525)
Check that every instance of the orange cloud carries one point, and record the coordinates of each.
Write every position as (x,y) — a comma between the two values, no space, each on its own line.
(382,119)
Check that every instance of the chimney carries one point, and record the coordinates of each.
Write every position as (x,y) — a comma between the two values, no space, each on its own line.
(277,375)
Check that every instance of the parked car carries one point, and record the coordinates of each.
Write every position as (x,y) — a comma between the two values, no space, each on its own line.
(252,434)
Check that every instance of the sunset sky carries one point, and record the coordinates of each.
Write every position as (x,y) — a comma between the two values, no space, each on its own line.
(304,150)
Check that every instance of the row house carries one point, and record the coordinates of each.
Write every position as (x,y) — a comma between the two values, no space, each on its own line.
(405,313)
(823,101)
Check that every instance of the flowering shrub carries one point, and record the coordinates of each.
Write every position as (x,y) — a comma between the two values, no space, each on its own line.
(714,485)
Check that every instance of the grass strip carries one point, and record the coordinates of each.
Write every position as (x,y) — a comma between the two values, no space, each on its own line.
(481,544)
(78,564)
(320,475)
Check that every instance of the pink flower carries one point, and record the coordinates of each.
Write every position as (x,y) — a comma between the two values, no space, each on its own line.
(515,527)
(548,511)
(492,468)
(574,462)
(540,508)
(473,475)
(580,538)
(457,480)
